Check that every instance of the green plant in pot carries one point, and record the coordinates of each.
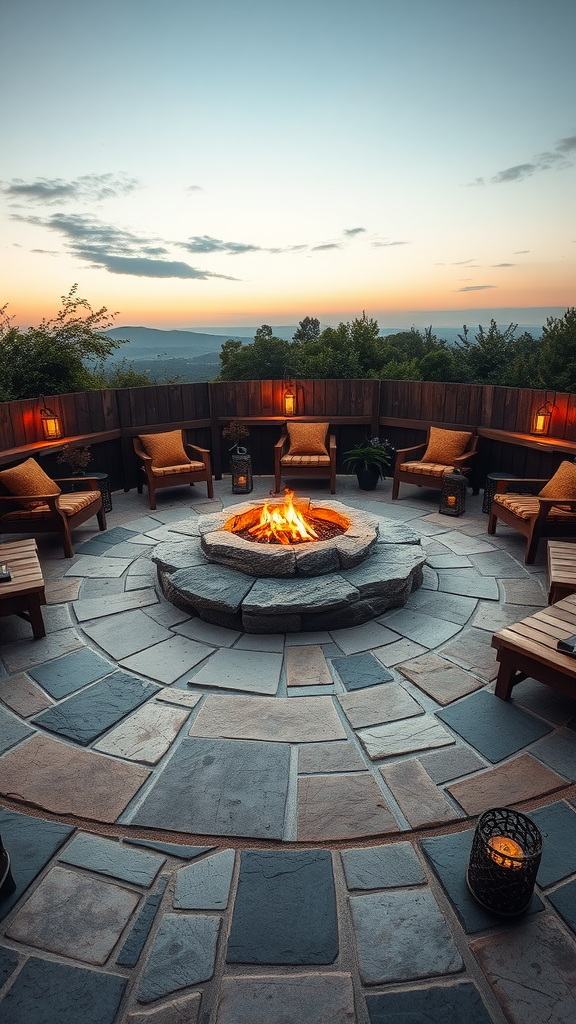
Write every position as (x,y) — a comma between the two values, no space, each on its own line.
(369,460)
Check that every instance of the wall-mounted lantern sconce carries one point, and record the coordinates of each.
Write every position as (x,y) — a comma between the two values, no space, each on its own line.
(289,400)
(50,423)
(542,418)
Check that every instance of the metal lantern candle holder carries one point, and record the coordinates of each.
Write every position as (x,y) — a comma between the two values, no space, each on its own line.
(453,494)
(241,463)
(504,861)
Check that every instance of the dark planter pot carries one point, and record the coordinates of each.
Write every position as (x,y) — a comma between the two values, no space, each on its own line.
(367,479)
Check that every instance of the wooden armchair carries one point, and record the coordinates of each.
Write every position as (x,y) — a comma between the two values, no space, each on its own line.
(305,449)
(426,464)
(543,514)
(167,460)
(35,504)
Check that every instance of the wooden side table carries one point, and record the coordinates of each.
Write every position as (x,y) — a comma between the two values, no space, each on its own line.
(528,650)
(24,594)
(561,570)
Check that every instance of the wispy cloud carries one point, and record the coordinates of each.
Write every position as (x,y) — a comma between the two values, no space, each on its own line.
(351,232)
(555,159)
(504,264)
(521,252)
(115,249)
(476,287)
(206,244)
(87,188)
(326,245)
(463,263)
(384,245)
(194,188)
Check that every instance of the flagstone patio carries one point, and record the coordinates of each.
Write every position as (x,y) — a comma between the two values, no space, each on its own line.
(222,827)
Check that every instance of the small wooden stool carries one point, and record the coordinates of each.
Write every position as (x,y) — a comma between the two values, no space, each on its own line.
(561,570)
(24,594)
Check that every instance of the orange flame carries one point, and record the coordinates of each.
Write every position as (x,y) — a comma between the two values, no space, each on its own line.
(284,523)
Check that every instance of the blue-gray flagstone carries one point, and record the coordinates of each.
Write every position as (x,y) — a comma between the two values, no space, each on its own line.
(220,787)
(360,670)
(401,935)
(183,954)
(558,751)
(46,992)
(132,948)
(382,867)
(107,857)
(557,822)
(31,843)
(564,899)
(449,857)
(205,884)
(494,727)
(445,1004)
(9,961)
(89,713)
(285,909)
(12,730)
(71,672)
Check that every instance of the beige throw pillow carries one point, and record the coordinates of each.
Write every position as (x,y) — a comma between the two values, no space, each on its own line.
(28,478)
(307,438)
(562,484)
(446,445)
(165,449)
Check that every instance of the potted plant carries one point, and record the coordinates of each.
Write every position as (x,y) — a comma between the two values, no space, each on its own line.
(369,460)
(236,432)
(77,456)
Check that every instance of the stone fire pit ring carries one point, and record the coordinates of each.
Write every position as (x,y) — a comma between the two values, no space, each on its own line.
(354,588)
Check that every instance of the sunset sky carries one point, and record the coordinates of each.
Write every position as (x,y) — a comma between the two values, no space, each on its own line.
(246,161)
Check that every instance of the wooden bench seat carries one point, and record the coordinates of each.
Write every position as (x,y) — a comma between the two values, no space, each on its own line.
(561,570)
(528,649)
(24,594)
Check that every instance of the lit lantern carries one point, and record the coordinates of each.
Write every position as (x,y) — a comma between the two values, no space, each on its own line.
(504,861)
(241,465)
(542,419)
(50,423)
(453,494)
(289,401)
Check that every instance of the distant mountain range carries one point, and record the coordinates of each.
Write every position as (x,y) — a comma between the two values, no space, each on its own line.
(150,342)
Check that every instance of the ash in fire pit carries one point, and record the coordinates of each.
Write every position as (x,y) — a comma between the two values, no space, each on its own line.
(289,587)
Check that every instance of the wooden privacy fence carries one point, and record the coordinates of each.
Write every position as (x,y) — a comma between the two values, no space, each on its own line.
(400,410)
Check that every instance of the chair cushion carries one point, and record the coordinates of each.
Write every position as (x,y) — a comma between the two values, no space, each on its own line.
(426,468)
(305,460)
(28,478)
(562,484)
(446,445)
(307,438)
(165,449)
(70,504)
(526,506)
(188,467)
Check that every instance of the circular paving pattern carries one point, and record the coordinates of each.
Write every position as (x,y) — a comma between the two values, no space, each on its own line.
(375,739)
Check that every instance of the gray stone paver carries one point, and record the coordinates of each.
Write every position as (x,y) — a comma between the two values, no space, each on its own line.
(169,659)
(269,718)
(422,733)
(125,633)
(422,946)
(64,779)
(205,884)
(146,735)
(253,671)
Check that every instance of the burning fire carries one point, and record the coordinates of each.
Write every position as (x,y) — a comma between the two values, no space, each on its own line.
(283,523)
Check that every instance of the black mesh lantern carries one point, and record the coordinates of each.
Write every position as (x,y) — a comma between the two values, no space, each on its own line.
(241,464)
(504,861)
(453,494)
(7,883)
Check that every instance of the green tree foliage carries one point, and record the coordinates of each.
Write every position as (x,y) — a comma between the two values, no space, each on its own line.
(57,356)
(308,330)
(557,353)
(267,358)
(497,356)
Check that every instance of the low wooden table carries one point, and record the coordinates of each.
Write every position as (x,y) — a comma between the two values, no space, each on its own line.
(561,570)
(527,649)
(24,594)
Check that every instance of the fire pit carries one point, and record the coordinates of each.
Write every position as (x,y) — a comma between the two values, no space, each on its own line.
(242,574)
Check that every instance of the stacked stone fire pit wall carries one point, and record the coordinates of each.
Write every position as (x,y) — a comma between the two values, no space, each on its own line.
(354,593)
